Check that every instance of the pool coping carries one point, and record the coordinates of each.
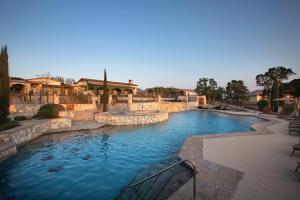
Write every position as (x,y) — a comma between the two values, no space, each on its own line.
(216,181)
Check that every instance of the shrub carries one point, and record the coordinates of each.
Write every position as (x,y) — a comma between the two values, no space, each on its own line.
(267,110)
(262,104)
(19,118)
(8,125)
(49,111)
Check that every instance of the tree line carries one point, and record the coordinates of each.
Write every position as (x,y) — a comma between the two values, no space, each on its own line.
(4,85)
(272,83)
(236,91)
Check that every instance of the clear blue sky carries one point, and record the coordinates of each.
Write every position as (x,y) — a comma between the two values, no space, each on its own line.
(155,43)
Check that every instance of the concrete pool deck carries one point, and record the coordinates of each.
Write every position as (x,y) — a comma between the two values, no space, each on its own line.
(252,165)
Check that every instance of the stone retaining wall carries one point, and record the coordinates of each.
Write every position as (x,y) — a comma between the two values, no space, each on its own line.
(163,106)
(9,139)
(144,106)
(81,107)
(7,150)
(177,106)
(24,109)
(66,114)
(131,118)
(134,106)
(25,133)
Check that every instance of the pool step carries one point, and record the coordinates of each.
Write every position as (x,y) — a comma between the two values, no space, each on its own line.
(80,125)
(160,187)
(7,149)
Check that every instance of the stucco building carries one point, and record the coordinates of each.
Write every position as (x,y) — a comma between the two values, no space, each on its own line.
(255,96)
(97,86)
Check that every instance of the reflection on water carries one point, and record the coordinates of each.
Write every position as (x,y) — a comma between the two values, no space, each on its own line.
(105,145)
(97,164)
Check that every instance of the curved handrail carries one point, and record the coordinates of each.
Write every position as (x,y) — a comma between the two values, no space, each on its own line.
(169,167)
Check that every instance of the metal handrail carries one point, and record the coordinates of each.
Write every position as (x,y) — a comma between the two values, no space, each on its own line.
(169,167)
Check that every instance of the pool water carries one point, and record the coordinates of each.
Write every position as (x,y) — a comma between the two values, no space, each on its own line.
(97,165)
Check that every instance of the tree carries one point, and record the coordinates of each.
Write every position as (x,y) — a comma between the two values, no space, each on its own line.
(271,82)
(221,93)
(4,85)
(293,88)
(275,94)
(236,91)
(104,97)
(207,87)
(262,104)
(266,82)
(59,78)
(69,81)
(164,91)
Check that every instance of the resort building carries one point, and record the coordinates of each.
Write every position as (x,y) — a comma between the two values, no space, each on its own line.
(35,89)
(255,96)
(117,88)
(189,92)
(36,86)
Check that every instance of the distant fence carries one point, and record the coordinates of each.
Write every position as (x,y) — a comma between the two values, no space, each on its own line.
(88,99)
(76,99)
(42,99)
(135,98)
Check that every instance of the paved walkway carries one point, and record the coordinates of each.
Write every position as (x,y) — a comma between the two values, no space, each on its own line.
(265,160)
(255,165)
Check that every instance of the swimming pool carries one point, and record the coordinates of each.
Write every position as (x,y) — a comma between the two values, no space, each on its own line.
(97,164)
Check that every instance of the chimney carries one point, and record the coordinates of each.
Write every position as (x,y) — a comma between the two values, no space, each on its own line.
(130,81)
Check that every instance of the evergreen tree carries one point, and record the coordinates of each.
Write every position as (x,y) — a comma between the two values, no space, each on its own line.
(4,85)
(207,87)
(275,94)
(105,94)
(236,91)
(272,81)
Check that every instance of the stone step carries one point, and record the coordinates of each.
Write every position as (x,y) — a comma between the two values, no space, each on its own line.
(4,138)
(7,149)
(79,125)
(160,187)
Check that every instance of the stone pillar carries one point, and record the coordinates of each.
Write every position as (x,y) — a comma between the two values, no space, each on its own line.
(99,99)
(109,99)
(202,100)
(158,98)
(186,98)
(94,99)
(56,99)
(130,98)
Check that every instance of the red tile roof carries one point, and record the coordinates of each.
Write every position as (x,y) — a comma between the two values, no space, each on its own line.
(101,81)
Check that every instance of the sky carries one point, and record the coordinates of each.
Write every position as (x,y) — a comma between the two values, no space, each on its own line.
(155,43)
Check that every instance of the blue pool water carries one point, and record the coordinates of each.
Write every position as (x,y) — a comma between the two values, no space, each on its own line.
(96,165)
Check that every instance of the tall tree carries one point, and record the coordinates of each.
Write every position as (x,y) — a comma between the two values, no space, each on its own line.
(207,87)
(293,88)
(4,85)
(236,91)
(221,93)
(69,81)
(271,82)
(104,97)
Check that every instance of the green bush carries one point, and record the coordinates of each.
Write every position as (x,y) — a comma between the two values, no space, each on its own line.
(20,118)
(8,125)
(262,104)
(49,111)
